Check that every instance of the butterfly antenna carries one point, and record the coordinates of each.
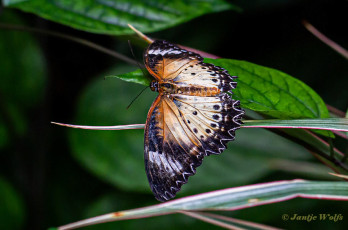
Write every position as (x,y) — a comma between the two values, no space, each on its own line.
(142,70)
(137,96)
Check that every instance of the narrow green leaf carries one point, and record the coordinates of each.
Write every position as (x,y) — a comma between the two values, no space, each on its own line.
(112,16)
(120,201)
(232,199)
(116,127)
(338,124)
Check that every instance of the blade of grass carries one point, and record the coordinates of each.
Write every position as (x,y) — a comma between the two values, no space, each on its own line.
(338,124)
(231,199)
(116,127)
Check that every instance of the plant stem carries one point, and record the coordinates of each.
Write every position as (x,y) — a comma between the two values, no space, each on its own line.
(339,49)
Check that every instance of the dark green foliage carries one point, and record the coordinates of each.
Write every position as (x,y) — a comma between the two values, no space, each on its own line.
(12,212)
(112,17)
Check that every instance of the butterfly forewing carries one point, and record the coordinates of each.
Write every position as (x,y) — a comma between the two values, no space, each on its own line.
(165,60)
(207,75)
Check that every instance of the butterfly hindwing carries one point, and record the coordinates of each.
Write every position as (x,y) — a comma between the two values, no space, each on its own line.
(179,132)
(172,153)
(213,120)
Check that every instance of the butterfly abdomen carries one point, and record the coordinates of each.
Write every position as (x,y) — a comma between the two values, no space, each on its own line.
(194,90)
(199,91)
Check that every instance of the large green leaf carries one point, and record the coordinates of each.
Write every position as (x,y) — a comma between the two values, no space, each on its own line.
(112,16)
(11,207)
(273,92)
(117,156)
(22,78)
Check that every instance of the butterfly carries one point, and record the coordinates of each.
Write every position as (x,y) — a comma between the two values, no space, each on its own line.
(192,117)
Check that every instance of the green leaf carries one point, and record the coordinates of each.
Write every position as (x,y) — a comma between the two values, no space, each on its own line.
(273,92)
(11,207)
(233,199)
(117,156)
(112,16)
(136,76)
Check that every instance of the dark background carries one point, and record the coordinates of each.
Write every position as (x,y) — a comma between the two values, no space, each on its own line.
(56,189)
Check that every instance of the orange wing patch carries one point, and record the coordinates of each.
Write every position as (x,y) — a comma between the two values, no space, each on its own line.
(165,61)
